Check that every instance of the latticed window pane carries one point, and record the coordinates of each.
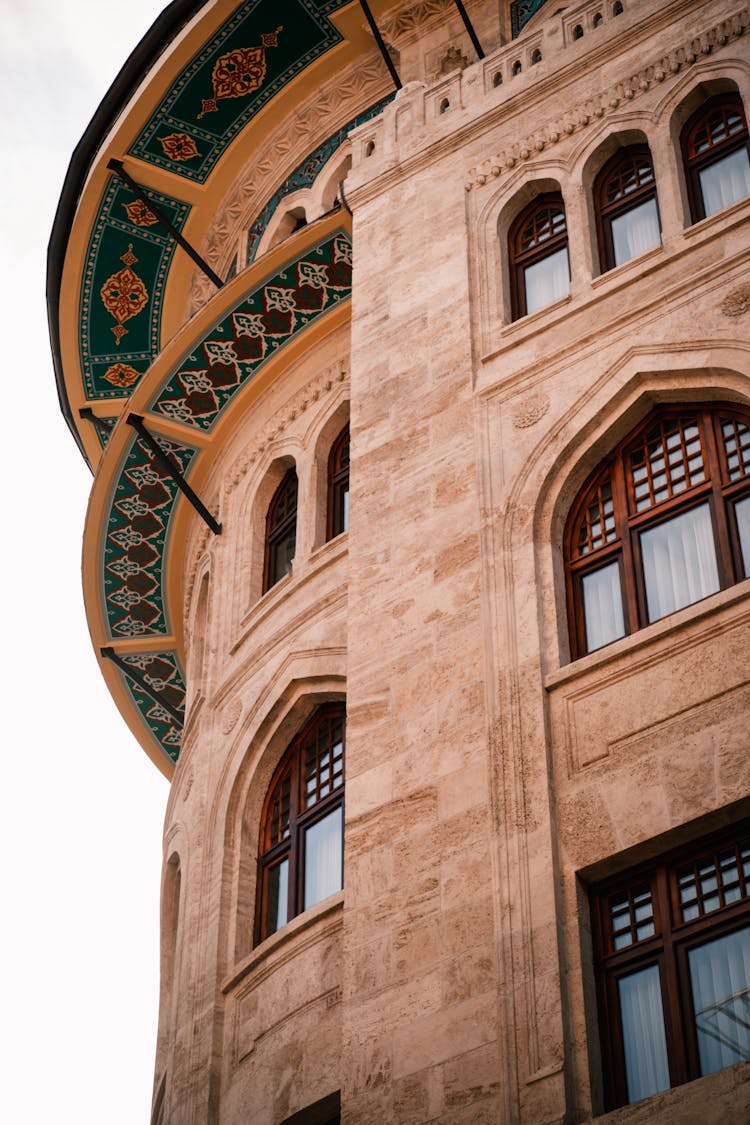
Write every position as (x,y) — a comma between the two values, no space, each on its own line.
(598,521)
(715,881)
(736,436)
(279,815)
(543,225)
(668,460)
(718,126)
(324,763)
(631,917)
(284,503)
(627,177)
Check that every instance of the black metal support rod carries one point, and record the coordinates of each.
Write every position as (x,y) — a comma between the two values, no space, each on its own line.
(118,168)
(129,670)
(98,423)
(342,197)
(136,421)
(470,29)
(381,43)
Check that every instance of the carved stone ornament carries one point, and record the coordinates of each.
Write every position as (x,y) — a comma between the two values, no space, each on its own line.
(737,302)
(710,41)
(532,410)
(231,716)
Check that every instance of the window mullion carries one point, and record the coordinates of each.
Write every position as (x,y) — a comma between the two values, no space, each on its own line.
(628,573)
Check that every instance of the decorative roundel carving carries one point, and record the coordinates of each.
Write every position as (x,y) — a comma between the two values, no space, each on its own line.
(231,716)
(531,411)
(737,302)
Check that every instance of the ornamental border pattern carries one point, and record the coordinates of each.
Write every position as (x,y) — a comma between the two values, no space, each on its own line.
(162,670)
(671,63)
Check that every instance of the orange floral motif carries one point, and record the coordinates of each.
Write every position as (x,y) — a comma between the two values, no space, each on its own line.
(139,214)
(179,146)
(124,295)
(239,72)
(121,375)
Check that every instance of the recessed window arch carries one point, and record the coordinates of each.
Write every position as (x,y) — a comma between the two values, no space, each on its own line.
(338,486)
(662,523)
(281,531)
(301,848)
(717,156)
(538,254)
(627,212)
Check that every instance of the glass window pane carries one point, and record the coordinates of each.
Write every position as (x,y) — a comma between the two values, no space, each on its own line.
(547,281)
(323,858)
(679,562)
(635,232)
(602,606)
(346,510)
(644,1041)
(742,510)
(278,889)
(720,978)
(725,181)
(283,557)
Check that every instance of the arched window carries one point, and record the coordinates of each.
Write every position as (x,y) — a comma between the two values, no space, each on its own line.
(338,485)
(538,249)
(301,854)
(664,522)
(715,149)
(281,531)
(626,210)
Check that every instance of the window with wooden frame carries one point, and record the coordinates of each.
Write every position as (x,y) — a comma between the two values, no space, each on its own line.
(626,209)
(663,523)
(338,485)
(538,251)
(301,853)
(281,531)
(672,950)
(717,157)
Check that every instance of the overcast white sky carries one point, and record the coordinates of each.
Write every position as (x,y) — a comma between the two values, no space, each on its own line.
(81,806)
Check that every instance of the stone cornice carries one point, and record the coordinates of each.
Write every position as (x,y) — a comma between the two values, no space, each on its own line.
(612,98)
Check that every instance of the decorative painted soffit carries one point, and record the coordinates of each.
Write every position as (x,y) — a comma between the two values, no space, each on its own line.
(140,505)
(521,12)
(127,261)
(622,93)
(241,68)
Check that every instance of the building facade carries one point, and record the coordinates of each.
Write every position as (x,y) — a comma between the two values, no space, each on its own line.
(444,648)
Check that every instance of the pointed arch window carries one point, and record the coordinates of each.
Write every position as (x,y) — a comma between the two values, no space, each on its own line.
(663,523)
(538,251)
(301,854)
(338,485)
(281,531)
(717,157)
(626,208)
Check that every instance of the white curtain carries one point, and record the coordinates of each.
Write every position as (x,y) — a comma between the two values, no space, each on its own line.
(547,281)
(602,606)
(720,977)
(323,858)
(646,1065)
(278,891)
(725,182)
(635,232)
(742,510)
(679,562)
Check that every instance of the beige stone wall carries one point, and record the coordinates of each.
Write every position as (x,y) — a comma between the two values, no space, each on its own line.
(488,777)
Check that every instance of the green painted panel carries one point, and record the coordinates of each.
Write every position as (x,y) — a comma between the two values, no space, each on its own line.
(162,671)
(263,46)
(265,320)
(137,529)
(127,261)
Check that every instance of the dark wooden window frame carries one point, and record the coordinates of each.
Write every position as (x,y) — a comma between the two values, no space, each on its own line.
(718,490)
(668,948)
(695,162)
(520,258)
(606,211)
(338,484)
(280,520)
(292,765)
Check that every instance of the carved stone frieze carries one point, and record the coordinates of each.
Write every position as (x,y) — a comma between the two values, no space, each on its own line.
(628,90)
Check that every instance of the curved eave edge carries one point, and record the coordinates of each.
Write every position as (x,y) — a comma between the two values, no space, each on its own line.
(166,27)
(242,339)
